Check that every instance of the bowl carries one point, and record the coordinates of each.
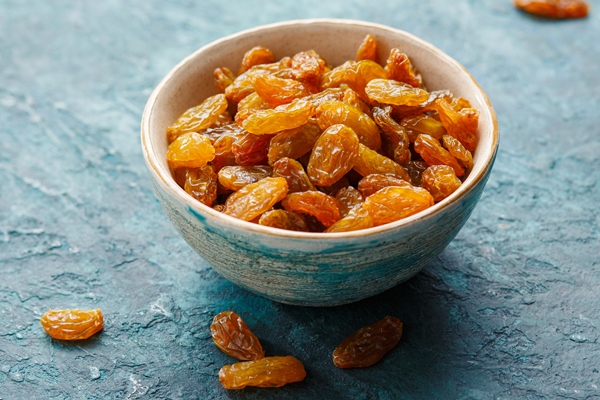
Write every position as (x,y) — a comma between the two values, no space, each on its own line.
(302,268)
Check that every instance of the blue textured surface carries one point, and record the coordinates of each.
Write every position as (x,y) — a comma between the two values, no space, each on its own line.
(509,310)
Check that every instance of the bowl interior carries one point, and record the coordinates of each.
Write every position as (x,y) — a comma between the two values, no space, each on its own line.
(191,81)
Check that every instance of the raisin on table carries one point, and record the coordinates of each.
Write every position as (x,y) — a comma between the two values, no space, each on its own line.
(555,9)
(231,334)
(369,344)
(267,372)
(72,324)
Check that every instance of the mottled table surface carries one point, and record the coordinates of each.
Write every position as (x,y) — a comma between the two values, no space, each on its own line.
(511,309)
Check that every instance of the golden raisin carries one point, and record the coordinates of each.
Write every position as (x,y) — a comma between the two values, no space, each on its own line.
(265,372)
(201,184)
(333,155)
(283,220)
(398,67)
(235,177)
(318,204)
(556,9)
(337,112)
(255,56)
(356,219)
(440,181)
(370,162)
(394,139)
(394,202)
(190,150)
(294,143)
(348,198)
(286,116)
(375,182)
(434,154)
(294,174)
(72,324)
(199,117)
(231,334)
(367,49)
(277,91)
(388,91)
(369,344)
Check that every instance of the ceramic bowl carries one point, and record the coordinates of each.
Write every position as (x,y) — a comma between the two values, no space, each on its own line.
(314,269)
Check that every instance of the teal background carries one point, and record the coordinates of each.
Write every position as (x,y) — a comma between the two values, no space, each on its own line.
(509,310)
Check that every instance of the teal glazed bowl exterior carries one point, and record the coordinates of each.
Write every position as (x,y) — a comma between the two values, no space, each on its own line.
(301,268)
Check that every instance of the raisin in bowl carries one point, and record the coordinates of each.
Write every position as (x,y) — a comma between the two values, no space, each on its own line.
(307,266)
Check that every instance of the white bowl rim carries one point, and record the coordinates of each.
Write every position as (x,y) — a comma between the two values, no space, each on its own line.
(475,176)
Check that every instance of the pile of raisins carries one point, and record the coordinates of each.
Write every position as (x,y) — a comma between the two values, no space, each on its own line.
(230,333)
(297,144)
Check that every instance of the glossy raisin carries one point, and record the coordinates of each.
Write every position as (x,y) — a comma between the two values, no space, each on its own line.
(223,78)
(348,198)
(357,218)
(375,182)
(201,184)
(422,123)
(199,117)
(458,151)
(190,150)
(389,91)
(294,143)
(395,142)
(399,67)
(277,91)
(460,124)
(333,156)
(286,116)
(393,203)
(265,372)
(294,174)
(72,324)
(555,9)
(235,177)
(231,334)
(370,162)
(318,204)
(440,181)
(256,198)
(367,49)
(283,219)
(255,56)
(434,154)
(250,149)
(308,67)
(337,112)
(369,344)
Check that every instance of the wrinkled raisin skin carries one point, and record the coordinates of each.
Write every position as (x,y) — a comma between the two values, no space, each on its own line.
(72,324)
(369,344)
(266,372)
(232,336)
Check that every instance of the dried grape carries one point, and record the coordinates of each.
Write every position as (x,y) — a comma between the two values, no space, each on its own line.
(555,9)
(284,220)
(265,372)
(231,334)
(254,199)
(235,177)
(190,150)
(369,344)
(298,144)
(318,204)
(333,155)
(199,117)
(72,324)
(440,181)
(201,184)
(394,202)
